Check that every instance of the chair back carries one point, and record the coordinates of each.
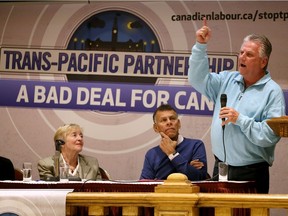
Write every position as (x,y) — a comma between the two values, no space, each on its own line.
(104,174)
(18,174)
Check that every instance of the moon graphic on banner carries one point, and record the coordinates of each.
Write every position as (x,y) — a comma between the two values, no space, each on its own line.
(129,25)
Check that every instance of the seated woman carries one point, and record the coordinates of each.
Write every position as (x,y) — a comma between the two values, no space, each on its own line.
(7,169)
(82,166)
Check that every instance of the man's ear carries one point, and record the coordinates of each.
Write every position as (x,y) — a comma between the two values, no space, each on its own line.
(264,62)
(155,128)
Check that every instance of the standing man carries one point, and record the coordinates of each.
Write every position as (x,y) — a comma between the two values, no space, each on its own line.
(175,154)
(248,143)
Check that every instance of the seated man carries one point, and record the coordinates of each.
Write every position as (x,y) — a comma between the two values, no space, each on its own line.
(175,154)
(7,169)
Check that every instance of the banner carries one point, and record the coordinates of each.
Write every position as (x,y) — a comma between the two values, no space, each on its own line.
(171,65)
(102,96)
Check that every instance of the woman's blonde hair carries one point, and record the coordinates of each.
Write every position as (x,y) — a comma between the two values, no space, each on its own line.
(63,131)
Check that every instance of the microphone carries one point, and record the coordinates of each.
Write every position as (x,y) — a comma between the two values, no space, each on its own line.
(223,101)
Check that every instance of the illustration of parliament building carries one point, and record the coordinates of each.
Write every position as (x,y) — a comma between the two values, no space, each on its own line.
(114,45)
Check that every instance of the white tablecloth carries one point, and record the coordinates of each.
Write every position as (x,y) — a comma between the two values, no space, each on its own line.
(34,202)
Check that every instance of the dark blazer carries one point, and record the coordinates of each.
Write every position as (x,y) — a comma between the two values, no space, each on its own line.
(7,169)
(89,167)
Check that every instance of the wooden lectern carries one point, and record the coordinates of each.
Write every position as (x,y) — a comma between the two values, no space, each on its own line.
(279,125)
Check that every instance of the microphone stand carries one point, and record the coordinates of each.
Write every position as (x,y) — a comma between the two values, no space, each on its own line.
(56,162)
(56,158)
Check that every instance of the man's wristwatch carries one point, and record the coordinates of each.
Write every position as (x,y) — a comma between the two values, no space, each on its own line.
(173,155)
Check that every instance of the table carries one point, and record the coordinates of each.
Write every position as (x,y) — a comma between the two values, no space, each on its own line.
(130,186)
(136,186)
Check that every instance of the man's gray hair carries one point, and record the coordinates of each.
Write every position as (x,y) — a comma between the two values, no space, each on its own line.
(265,45)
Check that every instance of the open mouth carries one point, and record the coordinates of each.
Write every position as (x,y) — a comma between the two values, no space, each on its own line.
(242,65)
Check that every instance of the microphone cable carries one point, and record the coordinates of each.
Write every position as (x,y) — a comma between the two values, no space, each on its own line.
(224,149)
(223,141)
(223,167)
(84,183)
(212,178)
